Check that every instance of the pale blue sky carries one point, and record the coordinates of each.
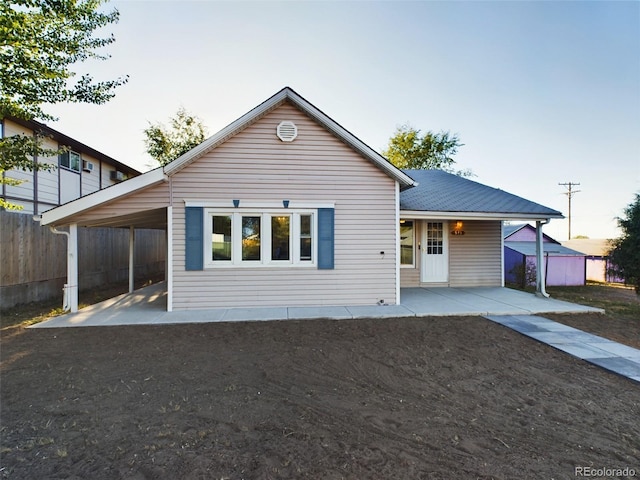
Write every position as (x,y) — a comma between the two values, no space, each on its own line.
(539,92)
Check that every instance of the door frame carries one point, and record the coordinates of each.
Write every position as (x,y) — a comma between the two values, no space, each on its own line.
(424,257)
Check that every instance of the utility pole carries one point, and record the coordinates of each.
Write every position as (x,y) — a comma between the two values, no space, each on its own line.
(569,193)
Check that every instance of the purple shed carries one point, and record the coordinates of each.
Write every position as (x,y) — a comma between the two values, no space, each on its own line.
(563,266)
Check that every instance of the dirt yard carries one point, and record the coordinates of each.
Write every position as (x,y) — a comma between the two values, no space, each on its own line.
(431,398)
(621,323)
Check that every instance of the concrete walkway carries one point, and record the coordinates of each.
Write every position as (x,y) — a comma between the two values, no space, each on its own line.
(607,354)
(148,306)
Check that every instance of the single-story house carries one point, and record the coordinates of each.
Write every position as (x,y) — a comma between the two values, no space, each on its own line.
(563,266)
(77,172)
(286,207)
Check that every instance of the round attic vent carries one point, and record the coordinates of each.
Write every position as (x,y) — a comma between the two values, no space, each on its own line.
(287,131)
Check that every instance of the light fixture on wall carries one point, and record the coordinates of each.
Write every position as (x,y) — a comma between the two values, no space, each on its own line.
(458,228)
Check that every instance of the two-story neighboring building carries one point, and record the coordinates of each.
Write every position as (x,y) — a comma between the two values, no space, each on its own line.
(79,171)
(33,259)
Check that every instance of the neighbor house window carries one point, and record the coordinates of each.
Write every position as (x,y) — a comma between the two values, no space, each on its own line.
(71,160)
(272,238)
(407,235)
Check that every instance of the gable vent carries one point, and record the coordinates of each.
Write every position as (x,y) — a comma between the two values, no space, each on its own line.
(287,131)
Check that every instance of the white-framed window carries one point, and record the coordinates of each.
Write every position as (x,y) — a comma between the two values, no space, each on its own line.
(407,243)
(255,238)
(71,161)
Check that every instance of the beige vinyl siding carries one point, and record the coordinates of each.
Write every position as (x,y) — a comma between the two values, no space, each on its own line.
(149,199)
(48,180)
(410,276)
(475,257)
(256,166)
(90,180)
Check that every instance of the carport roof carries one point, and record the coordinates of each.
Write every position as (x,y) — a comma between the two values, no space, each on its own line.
(449,194)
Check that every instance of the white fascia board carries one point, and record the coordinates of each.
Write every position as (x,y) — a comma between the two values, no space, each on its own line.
(419,214)
(53,216)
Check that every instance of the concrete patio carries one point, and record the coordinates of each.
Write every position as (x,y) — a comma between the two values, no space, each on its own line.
(148,306)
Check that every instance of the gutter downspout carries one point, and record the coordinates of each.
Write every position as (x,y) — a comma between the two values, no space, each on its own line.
(540,266)
(70,299)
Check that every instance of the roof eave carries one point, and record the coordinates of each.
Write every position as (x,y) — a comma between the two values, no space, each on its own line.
(67,141)
(422,214)
(63,214)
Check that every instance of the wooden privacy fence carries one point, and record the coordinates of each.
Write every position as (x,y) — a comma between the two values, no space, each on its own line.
(33,260)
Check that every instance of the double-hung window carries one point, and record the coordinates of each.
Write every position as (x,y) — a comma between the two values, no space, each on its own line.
(248,238)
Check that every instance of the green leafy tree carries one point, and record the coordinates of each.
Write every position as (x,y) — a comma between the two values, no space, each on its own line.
(625,250)
(409,149)
(41,43)
(166,144)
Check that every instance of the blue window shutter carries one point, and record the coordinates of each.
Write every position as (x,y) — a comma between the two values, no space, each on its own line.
(194,246)
(326,243)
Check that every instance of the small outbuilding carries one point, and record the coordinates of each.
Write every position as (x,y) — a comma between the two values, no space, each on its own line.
(563,266)
(598,264)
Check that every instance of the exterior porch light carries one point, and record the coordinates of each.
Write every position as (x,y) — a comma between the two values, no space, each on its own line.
(457,228)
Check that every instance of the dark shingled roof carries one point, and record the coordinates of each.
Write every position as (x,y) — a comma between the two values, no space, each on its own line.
(440,191)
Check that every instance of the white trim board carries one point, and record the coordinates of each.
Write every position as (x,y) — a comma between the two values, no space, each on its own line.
(53,216)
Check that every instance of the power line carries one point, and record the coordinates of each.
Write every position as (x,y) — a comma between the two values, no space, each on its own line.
(569,193)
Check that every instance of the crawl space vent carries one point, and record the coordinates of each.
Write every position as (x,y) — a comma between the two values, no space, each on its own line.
(287,131)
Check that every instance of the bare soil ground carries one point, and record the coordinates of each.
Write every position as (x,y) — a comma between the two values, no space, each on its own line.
(430,398)
(620,323)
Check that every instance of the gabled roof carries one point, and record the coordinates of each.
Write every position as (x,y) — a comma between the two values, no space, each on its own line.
(284,95)
(158,175)
(509,230)
(444,193)
(551,249)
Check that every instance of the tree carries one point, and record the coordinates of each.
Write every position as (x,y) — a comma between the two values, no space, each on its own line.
(40,43)
(408,149)
(625,251)
(166,144)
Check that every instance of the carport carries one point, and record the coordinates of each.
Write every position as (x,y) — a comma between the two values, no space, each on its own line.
(100,209)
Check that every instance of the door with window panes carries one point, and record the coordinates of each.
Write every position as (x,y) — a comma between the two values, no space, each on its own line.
(435,252)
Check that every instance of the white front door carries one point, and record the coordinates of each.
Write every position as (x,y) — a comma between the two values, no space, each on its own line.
(435,252)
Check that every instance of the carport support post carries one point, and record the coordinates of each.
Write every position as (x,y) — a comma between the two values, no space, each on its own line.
(540,266)
(132,244)
(72,267)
